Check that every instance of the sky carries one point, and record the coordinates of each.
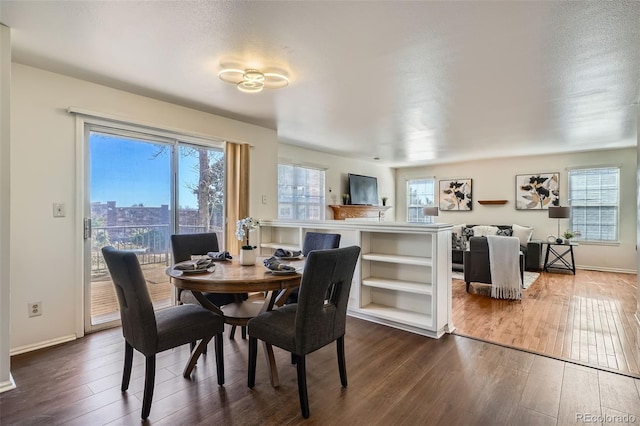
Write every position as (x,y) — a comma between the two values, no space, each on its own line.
(132,172)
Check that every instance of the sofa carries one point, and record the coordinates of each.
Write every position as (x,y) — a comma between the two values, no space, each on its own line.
(531,249)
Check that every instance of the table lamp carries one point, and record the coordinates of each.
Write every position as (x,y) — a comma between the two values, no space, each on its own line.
(558,212)
(430,211)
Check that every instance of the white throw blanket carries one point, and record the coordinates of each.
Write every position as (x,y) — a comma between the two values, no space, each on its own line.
(504,260)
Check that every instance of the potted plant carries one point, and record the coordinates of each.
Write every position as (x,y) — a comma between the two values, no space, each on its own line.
(247,252)
(384,201)
(345,199)
(568,235)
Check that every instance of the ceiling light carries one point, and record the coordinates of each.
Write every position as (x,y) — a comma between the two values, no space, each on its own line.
(252,80)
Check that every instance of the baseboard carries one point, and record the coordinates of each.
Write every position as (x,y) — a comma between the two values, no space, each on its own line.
(605,269)
(7,385)
(41,345)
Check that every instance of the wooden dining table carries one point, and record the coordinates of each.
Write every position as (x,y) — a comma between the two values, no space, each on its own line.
(231,277)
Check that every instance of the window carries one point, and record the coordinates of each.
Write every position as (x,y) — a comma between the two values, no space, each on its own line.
(420,194)
(142,187)
(593,197)
(300,192)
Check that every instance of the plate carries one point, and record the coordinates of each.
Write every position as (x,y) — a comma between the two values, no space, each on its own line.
(198,271)
(283,272)
(289,257)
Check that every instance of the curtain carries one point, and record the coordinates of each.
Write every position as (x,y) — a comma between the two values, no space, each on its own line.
(237,192)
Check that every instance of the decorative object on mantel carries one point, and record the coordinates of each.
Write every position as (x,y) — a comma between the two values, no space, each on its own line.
(455,195)
(492,202)
(247,252)
(345,199)
(558,212)
(384,201)
(537,191)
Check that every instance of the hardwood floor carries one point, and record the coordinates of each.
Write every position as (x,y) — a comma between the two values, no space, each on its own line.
(395,377)
(586,318)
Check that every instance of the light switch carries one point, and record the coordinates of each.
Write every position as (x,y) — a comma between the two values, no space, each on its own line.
(264,199)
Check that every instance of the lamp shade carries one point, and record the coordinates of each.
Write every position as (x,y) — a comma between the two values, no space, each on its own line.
(430,211)
(559,212)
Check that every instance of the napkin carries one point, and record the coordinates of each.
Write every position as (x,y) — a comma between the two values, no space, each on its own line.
(219,255)
(192,265)
(274,264)
(287,253)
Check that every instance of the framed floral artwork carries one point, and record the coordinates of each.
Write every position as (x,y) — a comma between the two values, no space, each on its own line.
(537,191)
(455,195)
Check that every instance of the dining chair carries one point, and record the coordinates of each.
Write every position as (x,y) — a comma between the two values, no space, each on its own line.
(152,332)
(318,318)
(314,241)
(183,247)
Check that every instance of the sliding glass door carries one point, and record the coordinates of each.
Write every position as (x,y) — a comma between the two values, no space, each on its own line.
(143,188)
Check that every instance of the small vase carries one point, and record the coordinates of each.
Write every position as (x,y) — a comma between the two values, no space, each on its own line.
(247,256)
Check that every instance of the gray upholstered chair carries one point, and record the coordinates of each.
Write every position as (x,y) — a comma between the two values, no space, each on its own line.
(319,241)
(318,318)
(183,247)
(149,332)
(315,241)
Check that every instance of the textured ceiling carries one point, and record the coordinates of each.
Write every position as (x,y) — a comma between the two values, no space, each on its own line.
(409,82)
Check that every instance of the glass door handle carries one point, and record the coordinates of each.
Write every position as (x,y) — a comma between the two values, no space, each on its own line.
(87,228)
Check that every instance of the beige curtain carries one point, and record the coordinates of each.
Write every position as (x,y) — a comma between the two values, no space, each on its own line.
(237,192)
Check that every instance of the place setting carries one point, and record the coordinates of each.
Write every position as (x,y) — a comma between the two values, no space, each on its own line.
(276,267)
(283,254)
(219,256)
(196,266)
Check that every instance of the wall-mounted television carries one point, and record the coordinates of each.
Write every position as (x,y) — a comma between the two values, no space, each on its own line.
(363,190)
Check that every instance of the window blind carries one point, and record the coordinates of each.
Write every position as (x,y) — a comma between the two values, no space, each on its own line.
(420,194)
(301,192)
(594,199)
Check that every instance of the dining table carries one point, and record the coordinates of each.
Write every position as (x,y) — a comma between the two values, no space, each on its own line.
(229,276)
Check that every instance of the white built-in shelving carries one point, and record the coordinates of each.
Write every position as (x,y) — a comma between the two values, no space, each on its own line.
(403,278)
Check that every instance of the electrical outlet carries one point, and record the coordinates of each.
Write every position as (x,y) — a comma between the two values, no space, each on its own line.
(58,210)
(264,199)
(35,309)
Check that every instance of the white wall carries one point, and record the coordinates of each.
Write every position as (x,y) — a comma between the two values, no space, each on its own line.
(638,227)
(495,179)
(43,171)
(6,382)
(337,169)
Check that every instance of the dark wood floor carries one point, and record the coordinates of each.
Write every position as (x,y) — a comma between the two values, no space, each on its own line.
(587,318)
(395,377)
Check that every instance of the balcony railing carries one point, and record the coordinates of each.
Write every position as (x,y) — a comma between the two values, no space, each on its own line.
(151,243)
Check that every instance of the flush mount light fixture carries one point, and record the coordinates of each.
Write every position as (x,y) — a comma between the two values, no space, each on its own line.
(252,80)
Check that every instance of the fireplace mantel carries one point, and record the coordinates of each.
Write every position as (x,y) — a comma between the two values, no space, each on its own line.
(342,212)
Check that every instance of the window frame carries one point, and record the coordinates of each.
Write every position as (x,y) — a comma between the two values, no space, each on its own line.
(424,219)
(295,203)
(574,203)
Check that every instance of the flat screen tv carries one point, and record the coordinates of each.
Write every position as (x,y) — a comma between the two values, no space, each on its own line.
(363,190)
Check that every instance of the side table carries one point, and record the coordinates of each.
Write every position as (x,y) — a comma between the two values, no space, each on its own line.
(559,252)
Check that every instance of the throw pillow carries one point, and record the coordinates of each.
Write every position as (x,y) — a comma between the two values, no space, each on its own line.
(467,232)
(484,230)
(457,230)
(505,232)
(523,233)
(455,241)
